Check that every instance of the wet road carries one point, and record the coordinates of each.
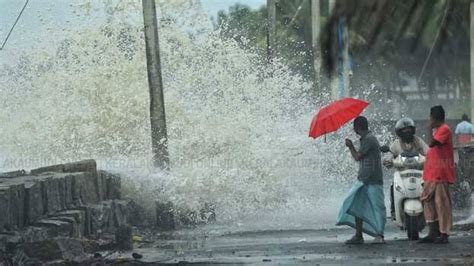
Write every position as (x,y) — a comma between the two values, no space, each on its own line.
(302,247)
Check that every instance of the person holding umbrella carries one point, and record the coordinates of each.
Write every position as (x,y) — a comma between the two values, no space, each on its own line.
(364,207)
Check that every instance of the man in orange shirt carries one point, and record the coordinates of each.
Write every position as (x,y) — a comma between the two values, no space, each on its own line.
(438,174)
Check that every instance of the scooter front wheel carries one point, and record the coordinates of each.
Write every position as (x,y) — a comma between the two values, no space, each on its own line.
(412,224)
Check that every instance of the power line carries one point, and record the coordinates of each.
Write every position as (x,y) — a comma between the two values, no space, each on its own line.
(14,24)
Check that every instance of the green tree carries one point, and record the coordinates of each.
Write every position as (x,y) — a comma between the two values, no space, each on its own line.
(293,40)
(402,41)
(384,48)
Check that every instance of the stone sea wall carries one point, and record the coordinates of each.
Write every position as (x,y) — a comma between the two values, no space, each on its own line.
(74,213)
(51,206)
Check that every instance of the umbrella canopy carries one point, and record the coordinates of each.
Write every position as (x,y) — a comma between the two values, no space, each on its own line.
(333,116)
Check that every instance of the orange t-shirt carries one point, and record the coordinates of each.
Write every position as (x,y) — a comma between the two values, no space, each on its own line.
(439,165)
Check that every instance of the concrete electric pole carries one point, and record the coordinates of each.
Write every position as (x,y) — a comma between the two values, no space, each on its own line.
(159,137)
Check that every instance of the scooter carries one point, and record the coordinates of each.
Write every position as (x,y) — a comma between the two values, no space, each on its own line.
(407,189)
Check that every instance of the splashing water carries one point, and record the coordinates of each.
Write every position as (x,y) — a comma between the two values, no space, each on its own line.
(237,126)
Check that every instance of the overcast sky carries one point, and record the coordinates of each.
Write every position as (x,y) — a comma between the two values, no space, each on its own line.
(213,6)
(41,14)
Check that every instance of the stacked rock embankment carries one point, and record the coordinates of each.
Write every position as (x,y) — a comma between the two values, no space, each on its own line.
(48,205)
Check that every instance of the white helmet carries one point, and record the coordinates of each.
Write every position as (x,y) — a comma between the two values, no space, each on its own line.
(402,124)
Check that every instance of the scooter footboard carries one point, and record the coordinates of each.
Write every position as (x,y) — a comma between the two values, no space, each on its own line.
(413,207)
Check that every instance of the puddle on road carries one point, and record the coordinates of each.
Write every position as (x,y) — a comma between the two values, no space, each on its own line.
(465,260)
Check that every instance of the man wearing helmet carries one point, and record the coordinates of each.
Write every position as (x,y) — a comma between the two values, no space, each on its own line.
(406,142)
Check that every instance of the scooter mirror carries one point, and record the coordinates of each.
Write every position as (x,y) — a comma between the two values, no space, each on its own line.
(384,149)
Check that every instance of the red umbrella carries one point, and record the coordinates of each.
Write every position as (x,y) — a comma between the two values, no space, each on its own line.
(333,116)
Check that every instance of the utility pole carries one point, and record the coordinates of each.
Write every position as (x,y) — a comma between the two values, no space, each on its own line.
(472,55)
(271,29)
(315,32)
(159,137)
(346,64)
(334,76)
(340,81)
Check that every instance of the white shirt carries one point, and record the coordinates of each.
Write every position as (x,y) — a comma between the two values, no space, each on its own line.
(464,128)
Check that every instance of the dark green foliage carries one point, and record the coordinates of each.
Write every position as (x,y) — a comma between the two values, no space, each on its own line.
(389,40)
